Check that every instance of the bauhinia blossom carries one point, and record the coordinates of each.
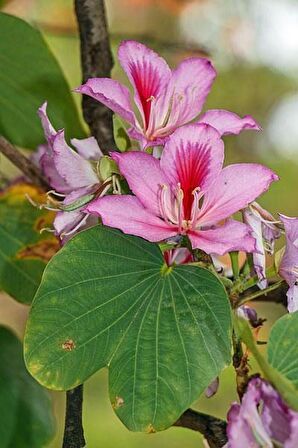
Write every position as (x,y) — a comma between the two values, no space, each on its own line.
(186,192)
(265,231)
(288,268)
(262,420)
(71,175)
(166,99)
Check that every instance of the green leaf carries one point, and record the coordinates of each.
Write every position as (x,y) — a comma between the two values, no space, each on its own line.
(283,347)
(25,407)
(279,381)
(23,251)
(120,135)
(30,75)
(108,299)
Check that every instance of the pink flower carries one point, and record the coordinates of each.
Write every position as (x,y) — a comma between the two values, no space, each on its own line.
(262,419)
(166,99)
(186,192)
(265,231)
(70,174)
(180,255)
(288,268)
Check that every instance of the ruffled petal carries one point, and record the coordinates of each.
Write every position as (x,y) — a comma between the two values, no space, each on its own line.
(148,73)
(226,122)
(144,176)
(190,84)
(110,93)
(87,148)
(48,129)
(236,186)
(128,214)
(232,235)
(76,171)
(53,177)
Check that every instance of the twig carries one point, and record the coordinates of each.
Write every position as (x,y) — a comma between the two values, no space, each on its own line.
(96,61)
(274,293)
(28,168)
(73,430)
(213,429)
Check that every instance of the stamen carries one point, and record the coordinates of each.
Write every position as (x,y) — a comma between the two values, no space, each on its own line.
(197,194)
(151,98)
(47,229)
(82,222)
(60,195)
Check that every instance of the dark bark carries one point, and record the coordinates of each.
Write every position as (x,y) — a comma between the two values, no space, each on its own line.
(213,429)
(28,168)
(96,61)
(73,429)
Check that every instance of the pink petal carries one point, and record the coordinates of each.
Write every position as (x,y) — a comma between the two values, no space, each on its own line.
(144,176)
(110,93)
(292,296)
(232,235)
(53,177)
(236,186)
(226,122)
(147,71)
(87,148)
(128,214)
(193,157)
(190,84)
(49,130)
(76,171)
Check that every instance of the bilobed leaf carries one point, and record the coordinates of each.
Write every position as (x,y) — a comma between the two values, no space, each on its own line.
(24,252)
(26,418)
(108,299)
(283,346)
(30,75)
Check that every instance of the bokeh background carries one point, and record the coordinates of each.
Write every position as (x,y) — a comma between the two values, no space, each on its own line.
(254,47)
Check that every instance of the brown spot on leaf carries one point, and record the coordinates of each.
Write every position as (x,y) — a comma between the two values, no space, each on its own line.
(118,403)
(43,250)
(150,429)
(68,345)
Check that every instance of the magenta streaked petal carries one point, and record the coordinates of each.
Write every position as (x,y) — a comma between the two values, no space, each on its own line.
(110,93)
(128,214)
(226,122)
(232,235)
(236,187)
(144,176)
(74,170)
(190,84)
(87,148)
(147,71)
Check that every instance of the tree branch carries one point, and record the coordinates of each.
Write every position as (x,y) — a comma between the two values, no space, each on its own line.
(276,292)
(28,168)
(96,61)
(213,429)
(73,429)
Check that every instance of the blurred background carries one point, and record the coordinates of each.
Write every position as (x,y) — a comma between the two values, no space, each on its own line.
(254,47)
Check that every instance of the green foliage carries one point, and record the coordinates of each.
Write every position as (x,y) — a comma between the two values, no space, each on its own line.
(283,347)
(120,135)
(274,376)
(26,419)
(23,251)
(108,299)
(30,75)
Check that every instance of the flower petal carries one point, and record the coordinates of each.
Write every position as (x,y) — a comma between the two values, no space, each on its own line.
(236,186)
(232,235)
(48,129)
(110,93)
(76,171)
(87,148)
(53,177)
(193,157)
(147,71)
(226,122)
(128,214)
(190,84)
(144,176)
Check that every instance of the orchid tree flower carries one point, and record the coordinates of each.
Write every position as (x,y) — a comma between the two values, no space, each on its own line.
(265,231)
(288,268)
(71,175)
(186,192)
(262,420)
(165,99)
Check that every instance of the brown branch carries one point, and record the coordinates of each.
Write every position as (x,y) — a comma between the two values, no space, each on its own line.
(96,61)
(28,168)
(278,295)
(213,429)
(73,430)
